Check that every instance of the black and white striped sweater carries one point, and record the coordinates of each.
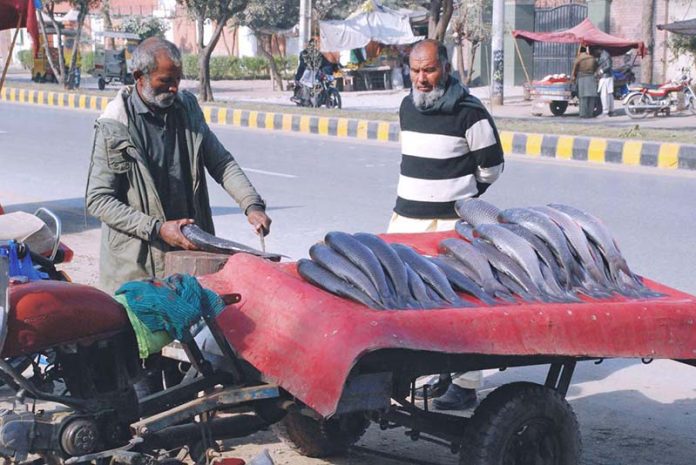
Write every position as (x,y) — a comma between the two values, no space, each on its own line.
(447,153)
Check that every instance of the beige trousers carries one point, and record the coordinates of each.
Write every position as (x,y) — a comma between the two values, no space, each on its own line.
(402,224)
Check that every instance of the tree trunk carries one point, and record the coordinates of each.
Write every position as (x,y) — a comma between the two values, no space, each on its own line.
(460,62)
(472,58)
(434,18)
(276,78)
(443,20)
(108,25)
(57,69)
(70,81)
(205,91)
(646,66)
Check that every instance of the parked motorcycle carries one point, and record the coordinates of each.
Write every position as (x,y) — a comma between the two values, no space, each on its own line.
(623,77)
(645,100)
(321,93)
(85,363)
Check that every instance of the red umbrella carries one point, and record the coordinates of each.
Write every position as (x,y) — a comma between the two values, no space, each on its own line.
(18,14)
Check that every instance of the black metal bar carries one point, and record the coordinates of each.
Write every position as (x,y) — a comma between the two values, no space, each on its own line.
(566,376)
(178,394)
(552,376)
(224,346)
(195,356)
(440,425)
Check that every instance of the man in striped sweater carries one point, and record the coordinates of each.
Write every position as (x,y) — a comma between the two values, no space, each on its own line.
(450,150)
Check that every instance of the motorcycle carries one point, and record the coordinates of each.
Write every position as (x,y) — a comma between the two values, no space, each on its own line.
(320,92)
(85,361)
(623,77)
(639,103)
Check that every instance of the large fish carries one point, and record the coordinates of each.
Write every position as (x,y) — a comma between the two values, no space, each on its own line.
(479,269)
(209,243)
(550,232)
(542,250)
(460,281)
(336,263)
(363,258)
(419,290)
(523,253)
(508,266)
(465,230)
(323,278)
(476,211)
(392,264)
(430,273)
(598,233)
(594,282)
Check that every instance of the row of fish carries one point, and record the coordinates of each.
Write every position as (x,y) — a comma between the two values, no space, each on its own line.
(551,254)
(365,268)
(548,253)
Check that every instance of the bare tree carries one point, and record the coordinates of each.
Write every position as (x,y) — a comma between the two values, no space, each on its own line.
(65,73)
(469,27)
(440,15)
(218,12)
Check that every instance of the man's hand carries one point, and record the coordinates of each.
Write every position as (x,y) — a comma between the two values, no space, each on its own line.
(170,232)
(260,221)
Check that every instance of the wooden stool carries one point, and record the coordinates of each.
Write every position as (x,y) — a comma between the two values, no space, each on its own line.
(193,262)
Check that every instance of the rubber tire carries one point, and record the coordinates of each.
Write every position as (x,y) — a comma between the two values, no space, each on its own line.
(320,438)
(692,105)
(637,99)
(333,99)
(505,415)
(558,107)
(101,83)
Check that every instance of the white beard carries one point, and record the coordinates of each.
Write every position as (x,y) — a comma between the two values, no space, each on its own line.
(426,100)
(162,100)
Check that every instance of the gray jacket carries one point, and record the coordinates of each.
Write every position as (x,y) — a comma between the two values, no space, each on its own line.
(121,192)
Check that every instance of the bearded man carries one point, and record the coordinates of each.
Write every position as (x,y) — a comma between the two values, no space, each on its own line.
(147,179)
(450,150)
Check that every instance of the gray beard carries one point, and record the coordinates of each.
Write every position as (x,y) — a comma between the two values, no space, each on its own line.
(162,100)
(426,100)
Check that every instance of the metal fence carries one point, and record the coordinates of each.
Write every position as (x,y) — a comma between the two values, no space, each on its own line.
(551,58)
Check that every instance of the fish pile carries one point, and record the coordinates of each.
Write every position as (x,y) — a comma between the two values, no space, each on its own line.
(548,253)
(551,253)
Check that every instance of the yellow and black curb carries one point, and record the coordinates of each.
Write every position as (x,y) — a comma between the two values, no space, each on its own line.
(591,149)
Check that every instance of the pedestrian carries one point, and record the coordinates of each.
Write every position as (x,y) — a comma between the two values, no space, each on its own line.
(450,151)
(605,87)
(583,75)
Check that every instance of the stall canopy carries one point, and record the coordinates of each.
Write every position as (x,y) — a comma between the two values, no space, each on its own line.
(687,28)
(584,33)
(372,22)
(22,13)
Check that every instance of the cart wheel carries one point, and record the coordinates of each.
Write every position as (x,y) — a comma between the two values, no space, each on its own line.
(333,98)
(101,83)
(320,438)
(522,424)
(558,107)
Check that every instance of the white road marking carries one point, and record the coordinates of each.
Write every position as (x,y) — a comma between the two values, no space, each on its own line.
(270,173)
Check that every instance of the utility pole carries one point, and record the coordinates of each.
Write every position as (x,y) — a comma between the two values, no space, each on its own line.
(305,22)
(497,52)
(648,27)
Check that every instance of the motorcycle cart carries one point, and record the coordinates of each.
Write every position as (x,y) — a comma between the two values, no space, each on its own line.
(114,64)
(320,367)
(353,365)
(557,94)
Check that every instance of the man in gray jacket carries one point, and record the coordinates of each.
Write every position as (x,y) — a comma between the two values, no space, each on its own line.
(147,175)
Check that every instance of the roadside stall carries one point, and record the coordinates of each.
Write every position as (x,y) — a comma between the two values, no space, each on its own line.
(556,91)
(375,36)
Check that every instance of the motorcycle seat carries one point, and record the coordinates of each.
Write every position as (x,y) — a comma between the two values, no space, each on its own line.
(29,229)
(45,314)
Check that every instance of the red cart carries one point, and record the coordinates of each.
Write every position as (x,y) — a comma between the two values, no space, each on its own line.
(343,365)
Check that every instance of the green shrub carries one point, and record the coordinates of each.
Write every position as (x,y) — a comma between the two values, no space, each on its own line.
(87,62)
(227,67)
(26,58)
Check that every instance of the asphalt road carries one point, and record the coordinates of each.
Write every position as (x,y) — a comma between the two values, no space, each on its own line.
(628,413)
